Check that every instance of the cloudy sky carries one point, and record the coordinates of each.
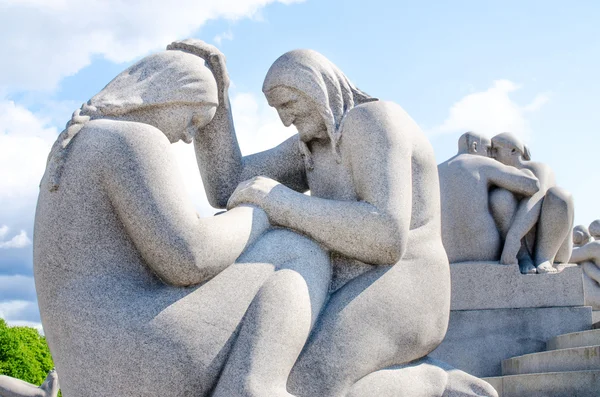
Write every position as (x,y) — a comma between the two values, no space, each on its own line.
(527,67)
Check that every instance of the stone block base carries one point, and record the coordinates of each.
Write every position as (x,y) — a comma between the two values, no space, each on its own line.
(490,285)
(478,340)
(557,384)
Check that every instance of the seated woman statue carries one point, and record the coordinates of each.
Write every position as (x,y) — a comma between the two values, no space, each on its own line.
(374,205)
(540,232)
(117,243)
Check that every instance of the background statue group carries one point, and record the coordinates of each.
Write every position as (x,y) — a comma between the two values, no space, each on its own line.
(340,293)
(498,205)
(587,254)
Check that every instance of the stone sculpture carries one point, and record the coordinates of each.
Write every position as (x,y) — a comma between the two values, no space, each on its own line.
(594,229)
(170,304)
(581,236)
(470,232)
(587,254)
(12,387)
(546,218)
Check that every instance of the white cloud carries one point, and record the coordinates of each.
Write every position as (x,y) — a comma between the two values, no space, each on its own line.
(3,231)
(21,240)
(25,141)
(31,324)
(223,36)
(19,310)
(44,41)
(492,111)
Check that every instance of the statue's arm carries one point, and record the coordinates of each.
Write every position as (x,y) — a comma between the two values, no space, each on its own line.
(219,157)
(141,180)
(589,252)
(222,166)
(512,179)
(372,230)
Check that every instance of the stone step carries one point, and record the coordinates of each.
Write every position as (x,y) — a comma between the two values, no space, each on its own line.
(573,359)
(574,339)
(552,384)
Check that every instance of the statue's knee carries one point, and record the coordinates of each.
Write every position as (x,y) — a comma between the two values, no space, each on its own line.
(297,246)
(502,202)
(557,196)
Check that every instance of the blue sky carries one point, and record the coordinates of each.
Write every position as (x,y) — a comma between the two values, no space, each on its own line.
(529,67)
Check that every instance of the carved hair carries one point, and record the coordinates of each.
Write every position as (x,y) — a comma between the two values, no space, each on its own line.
(177,76)
(324,83)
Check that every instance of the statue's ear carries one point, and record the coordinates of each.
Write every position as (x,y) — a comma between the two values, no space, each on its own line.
(474,147)
(526,153)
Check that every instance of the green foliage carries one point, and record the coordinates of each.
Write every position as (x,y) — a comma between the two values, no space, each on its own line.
(24,354)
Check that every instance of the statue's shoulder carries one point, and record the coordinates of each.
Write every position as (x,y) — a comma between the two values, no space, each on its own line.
(111,135)
(380,117)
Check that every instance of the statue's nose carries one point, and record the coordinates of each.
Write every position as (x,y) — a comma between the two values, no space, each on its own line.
(286,117)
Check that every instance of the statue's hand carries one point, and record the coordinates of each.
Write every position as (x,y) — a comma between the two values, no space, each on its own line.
(213,57)
(254,191)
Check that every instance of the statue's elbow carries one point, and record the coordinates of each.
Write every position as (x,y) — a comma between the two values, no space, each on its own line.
(393,249)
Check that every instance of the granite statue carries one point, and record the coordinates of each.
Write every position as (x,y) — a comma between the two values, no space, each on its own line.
(241,304)
(470,231)
(373,206)
(594,229)
(540,230)
(586,253)
(12,387)
(581,236)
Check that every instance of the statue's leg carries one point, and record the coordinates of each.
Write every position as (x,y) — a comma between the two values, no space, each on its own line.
(503,206)
(278,322)
(554,226)
(423,378)
(524,220)
(12,387)
(390,315)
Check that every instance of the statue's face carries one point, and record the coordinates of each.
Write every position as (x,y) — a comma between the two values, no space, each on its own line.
(177,122)
(504,152)
(296,108)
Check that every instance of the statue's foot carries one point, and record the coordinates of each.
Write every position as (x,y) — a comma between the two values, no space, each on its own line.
(527,267)
(546,267)
(526,264)
(423,378)
(50,385)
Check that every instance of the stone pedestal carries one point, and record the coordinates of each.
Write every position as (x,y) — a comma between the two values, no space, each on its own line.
(498,313)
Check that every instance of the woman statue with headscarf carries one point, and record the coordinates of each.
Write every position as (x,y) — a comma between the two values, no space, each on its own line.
(138,295)
(374,205)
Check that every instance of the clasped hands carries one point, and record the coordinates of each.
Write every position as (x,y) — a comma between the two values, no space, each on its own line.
(255,191)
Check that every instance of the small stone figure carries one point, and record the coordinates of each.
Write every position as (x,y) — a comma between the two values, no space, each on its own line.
(549,211)
(581,236)
(594,229)
(588,256)
(12,387)
(469,231)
